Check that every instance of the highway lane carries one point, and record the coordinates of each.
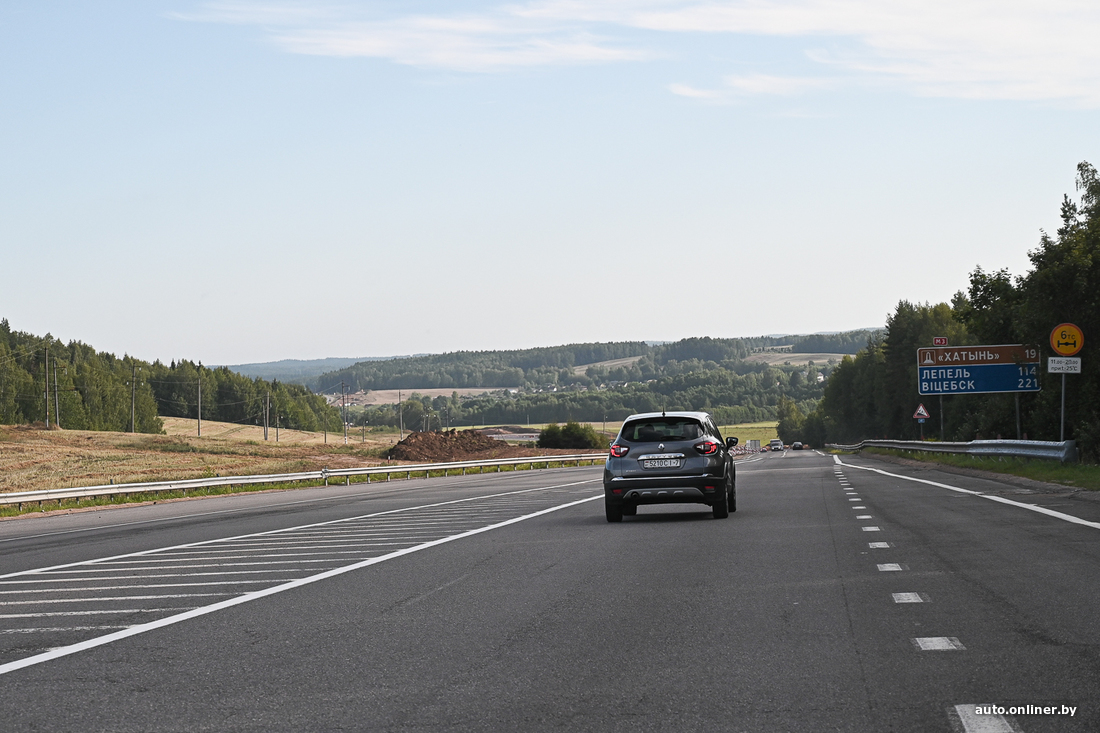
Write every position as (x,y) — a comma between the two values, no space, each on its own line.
(778,618)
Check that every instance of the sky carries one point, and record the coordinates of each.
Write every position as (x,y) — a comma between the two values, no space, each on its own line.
(235,182)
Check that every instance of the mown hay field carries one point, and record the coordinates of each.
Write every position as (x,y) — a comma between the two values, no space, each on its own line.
(33,459)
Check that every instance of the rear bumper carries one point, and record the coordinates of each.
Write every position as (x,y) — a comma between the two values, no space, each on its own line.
(663,489)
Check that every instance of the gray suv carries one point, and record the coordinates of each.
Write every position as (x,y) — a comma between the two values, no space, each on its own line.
(669,457)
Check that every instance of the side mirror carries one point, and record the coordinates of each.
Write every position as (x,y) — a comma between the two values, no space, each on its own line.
(730,442)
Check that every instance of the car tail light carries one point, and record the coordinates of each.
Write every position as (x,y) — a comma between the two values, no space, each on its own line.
(707,447)
(619,450)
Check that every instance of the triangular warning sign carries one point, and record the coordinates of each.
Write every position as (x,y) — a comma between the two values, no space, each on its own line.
(921,412)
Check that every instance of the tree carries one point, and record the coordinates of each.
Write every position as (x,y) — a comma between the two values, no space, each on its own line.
(572,435)
(790,421)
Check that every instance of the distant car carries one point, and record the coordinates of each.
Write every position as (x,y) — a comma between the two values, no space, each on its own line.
(775,444)
(669,457)
(796,446)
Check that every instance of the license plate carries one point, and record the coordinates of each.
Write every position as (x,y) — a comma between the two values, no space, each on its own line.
(661,463)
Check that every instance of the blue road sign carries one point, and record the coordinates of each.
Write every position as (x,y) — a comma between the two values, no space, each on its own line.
(978,378)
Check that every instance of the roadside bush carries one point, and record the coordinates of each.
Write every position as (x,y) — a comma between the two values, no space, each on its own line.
(571,435)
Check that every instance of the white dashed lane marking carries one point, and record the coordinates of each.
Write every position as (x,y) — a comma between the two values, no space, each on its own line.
(938,644)
(965,719)
(871,529)
(909,597)
(890,567)
(879,545)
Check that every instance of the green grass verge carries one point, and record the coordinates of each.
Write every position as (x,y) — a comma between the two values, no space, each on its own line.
(762,431)
(30,507)
(1077,475)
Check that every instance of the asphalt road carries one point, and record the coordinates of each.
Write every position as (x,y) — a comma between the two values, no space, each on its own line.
(835,598)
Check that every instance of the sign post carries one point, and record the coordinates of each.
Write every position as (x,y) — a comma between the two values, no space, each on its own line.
(940,341)
(1066,339)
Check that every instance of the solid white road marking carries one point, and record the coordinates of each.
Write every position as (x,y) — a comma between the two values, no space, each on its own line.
(256,595)
(88,589)
(94,599)
(59,629)
(938,644)
(84,613)
(964,719)
(907,598)
(1030,507)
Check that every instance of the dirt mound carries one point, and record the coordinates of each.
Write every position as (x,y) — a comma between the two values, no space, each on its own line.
(452,445)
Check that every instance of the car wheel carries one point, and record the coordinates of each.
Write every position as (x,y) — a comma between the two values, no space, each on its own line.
(629,510)
(721,506)
(614,511)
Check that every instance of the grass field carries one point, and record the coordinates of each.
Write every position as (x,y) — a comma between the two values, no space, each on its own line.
(182,427)
(1077,475)
(33,459)
(762,431)
(791,359)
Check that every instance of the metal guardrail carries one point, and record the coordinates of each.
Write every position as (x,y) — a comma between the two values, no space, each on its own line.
(153,487)
(1066,451)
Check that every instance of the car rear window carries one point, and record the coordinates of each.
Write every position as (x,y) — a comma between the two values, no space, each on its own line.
(662,428)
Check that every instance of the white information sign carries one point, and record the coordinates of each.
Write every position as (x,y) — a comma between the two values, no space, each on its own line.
(1064,365)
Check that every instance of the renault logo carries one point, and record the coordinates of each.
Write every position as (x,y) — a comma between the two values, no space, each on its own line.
(661,447)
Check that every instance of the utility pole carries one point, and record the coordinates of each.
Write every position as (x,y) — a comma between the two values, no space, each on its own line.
(46,365)
(267,411)
(400,415)
(276,423)
(133,395)
(200,403)
(56,404)
(344,411)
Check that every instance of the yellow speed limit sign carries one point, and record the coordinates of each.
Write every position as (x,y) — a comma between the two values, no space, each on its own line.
(1066,339)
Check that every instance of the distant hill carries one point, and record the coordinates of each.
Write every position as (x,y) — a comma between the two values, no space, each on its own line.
(301,370)
(584,364)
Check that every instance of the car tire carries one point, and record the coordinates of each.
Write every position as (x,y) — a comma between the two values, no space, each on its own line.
(629,510)
(721,505)
(614,511)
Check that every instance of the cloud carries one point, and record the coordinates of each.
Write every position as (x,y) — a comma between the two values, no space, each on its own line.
(736,87)
(983,49)
(489,41)
(784,86)
(709,94)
